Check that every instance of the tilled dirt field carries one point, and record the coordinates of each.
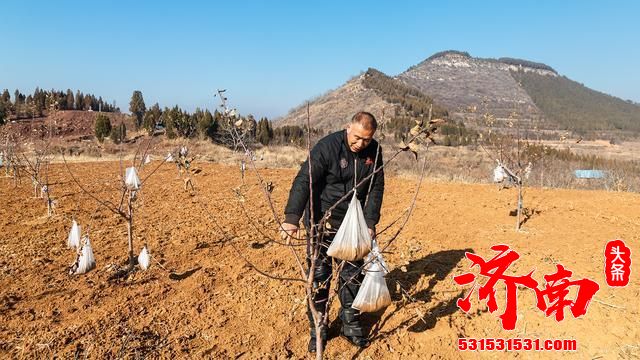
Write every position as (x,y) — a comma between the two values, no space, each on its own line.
(200,299)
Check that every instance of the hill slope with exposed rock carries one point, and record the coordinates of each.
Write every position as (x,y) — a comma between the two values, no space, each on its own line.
(512,91)
(371,91)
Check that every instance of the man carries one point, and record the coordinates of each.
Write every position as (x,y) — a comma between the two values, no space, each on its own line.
(335,160)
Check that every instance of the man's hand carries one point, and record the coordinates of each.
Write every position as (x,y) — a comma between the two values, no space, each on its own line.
(372,233)
(287,231)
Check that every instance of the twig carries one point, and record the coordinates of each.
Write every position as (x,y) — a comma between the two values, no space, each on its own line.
(109,205)
(609,305)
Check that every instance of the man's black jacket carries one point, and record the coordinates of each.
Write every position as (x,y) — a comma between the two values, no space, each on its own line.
(332,168)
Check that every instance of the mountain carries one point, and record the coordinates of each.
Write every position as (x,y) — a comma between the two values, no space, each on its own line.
(371,91)
(504,90)
(465,84)
(530,93)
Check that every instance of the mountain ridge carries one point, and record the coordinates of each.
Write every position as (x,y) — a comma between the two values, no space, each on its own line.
(467,89)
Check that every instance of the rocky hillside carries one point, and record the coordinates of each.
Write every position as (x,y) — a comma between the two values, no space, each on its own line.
(533,94)
(525,93)
(334,110)
(371,91)
(467,85)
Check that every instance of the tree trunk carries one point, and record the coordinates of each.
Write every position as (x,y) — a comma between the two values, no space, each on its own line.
(130,231)
(519,210)
(542,174)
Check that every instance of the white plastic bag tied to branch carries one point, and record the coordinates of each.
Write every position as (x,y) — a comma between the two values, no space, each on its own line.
(86,262)
(131,179)
(144,259)
(352,241)
(373,294)
(498,174)
(73,241)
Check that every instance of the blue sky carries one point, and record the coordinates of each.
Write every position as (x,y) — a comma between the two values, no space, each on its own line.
(273,55)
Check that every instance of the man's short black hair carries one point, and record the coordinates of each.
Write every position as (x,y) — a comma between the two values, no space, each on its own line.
(366,119)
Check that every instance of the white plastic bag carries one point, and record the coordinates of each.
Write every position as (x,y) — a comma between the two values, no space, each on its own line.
(373,294)
(352,241)
(498,174)
(131,179)
(86,261)
(169,158)
(73,241)
(147,159)
(144,259)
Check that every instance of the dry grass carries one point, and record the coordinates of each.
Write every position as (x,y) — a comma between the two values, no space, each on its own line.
(445,164)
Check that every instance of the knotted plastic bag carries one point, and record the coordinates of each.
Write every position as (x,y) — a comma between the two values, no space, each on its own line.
(144,259)
(375,255)
(352,241)
(86,261)
(131,179)
(498,174)
(373,294)
(73,241)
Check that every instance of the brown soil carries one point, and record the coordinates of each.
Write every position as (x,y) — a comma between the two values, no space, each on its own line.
(204,301)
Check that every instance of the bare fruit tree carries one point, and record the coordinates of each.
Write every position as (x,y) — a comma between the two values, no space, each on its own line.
(515,156)
(129,191)
(416,142)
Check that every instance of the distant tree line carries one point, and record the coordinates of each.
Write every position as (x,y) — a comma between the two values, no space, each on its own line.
(173,122)
(38,104)
(504,60)
(448,52)
(526,63)
(457,134)
(178,123)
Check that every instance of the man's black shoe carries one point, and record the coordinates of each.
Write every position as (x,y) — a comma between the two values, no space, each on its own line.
(312,344)
(359,341)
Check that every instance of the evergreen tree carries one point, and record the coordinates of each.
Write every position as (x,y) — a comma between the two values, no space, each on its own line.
(102,127)
(264,132)
(6,98)
(137,107)
(168,122)
(207,125)
(79,100)
(118,134)
(151,118)
(184,124)
(69,100)
(3,112)
(87,102)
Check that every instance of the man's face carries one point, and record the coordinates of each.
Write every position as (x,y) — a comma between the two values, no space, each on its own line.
(358,137)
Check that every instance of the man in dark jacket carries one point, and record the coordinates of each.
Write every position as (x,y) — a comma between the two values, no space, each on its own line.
(338,162)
